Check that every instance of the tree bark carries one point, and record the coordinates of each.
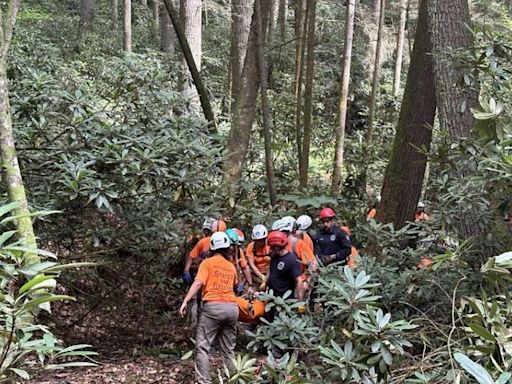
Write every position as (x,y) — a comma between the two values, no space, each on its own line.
(192,28)
(375,78)
(282,13)
(10,167)
(300,31)
(194,72)
(156,13)
(114,14)
(127,45)
(450,34)
(272,22)
(405,171)
(308,93)
(372,39)
(345,81)
(241,14)
(269,166)
(399,47)
(243,118)
(166,34)
(86,16)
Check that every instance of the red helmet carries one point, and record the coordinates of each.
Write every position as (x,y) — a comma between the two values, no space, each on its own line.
(327,213)
(277,238)
(219,226)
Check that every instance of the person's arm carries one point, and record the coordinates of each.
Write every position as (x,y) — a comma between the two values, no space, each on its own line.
(194,289)
(299,288)
(346,247)
(247,275)
(188,264)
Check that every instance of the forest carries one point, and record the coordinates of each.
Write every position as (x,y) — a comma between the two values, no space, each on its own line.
(149,147)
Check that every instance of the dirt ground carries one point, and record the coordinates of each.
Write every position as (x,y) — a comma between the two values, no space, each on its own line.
(130,319)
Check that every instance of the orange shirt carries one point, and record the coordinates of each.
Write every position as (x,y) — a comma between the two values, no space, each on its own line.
(259,256)
(308,241)
(200,248)
(302,250)
(242,260)
(218,276)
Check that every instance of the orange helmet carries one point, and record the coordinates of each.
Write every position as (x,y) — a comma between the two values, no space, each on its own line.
(219,226)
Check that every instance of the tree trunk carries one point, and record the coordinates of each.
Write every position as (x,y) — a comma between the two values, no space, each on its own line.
(241,14)
(282,13)
(114,14)
(86,16)
(450,33)
(156,13)
(243,117)
(399,47)
(127,45)
(192,26)
(372,39)
(269,166)
(166,34)
(404,174)
(194,72)
(11,170)
(345,81)
(274,9)
(308,93)
(375,78)
(300,33)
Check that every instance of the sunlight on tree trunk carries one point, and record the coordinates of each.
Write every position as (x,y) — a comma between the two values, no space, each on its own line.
(11,170)
(342,109)
(127,46)
(405,171)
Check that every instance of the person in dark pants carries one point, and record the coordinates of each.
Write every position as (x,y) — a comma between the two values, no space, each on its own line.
(332,244)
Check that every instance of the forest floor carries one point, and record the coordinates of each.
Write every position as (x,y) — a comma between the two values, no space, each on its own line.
(131,321)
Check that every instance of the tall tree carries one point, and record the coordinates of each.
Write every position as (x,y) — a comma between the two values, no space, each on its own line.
(345,81)
(308,92)
(269,164)
(114,14)
(282,13)
(272,21)
(300,34)
(373,29)
(191,17)
(127,35)
(243,117)
(156,13)
(166,34)
(376,75)
(241,14)
(406,167)
(11,170)
(194,72)
(86,15)
(450,34)
(399,51)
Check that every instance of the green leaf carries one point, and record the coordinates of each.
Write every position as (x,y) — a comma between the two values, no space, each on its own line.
(44,299)
(34,281)
(482,332)
(187,355)
(21,373)
(476,370)
(9,207)
(68,365)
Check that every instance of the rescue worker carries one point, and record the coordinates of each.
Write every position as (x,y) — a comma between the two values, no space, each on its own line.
(303,223)
(216,278)
(258,256)
(332,244)
(421,215)
(201,249)
(239,261)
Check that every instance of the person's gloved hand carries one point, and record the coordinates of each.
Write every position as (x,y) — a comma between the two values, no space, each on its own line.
(327,259)
(240,288)
(301,308)
(187,278)
(263,285)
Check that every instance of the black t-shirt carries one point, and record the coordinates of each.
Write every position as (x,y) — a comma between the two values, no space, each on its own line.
(284,270)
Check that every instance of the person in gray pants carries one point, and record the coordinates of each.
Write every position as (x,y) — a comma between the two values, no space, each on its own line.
(217,277)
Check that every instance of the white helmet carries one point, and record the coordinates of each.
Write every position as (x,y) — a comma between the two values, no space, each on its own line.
(276,225)
(207,224)
(289,224)
(259,232)
(304,222)
(421,204)
(219,240)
